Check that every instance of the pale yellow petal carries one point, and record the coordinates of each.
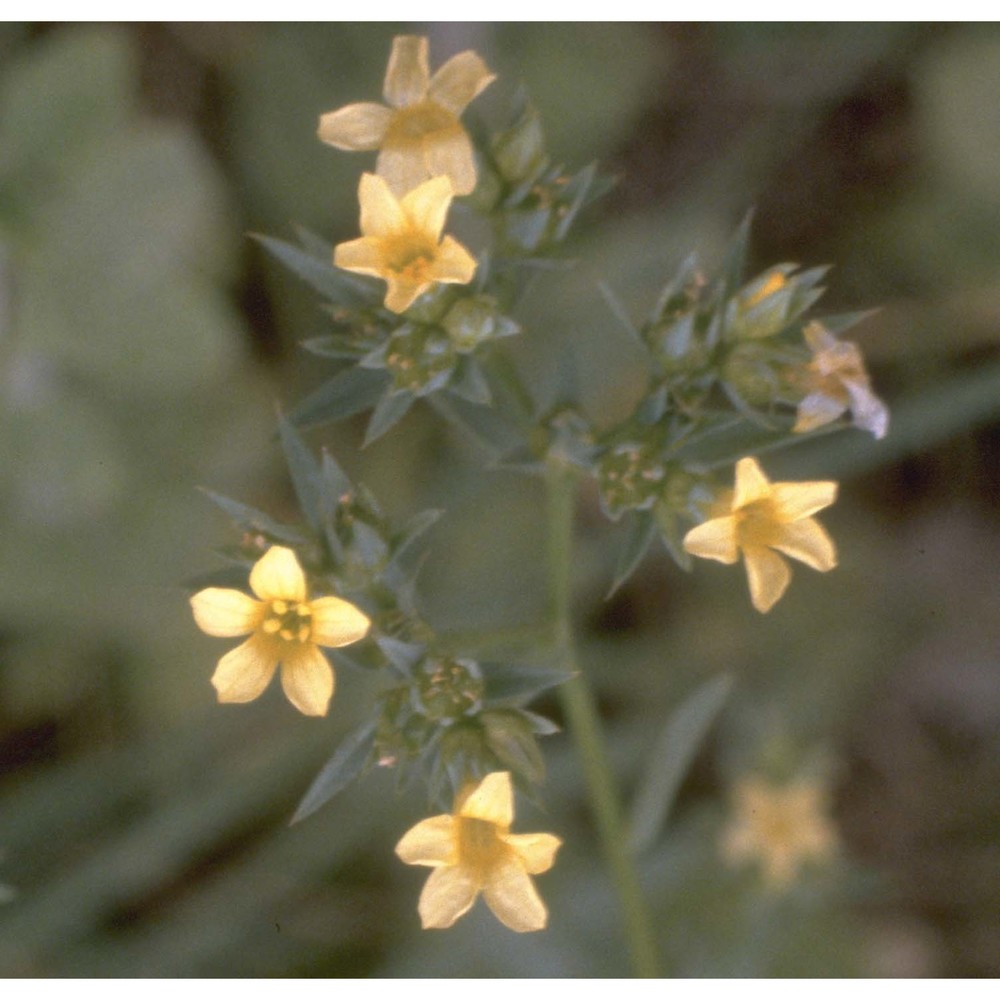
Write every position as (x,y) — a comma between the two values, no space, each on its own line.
(277,575)
(307,679)
(244,672)
(537,851)
(868,411)
(449,151)
(431,842)
(225,612)
(768,575)
(449,893)
(807,541)
(511,895)
(751,483)
(492,800)
(461,79)
(402,165)
(408,73)
(381,214)
(426,206)
(401,294)
(715,539)
(793,501)
(363,256)
(452,263)
(817,410)
(356,127)
(336,622)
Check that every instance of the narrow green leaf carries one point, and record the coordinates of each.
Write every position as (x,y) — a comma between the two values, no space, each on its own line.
(512,682)
(389,410)
(304,471)
(639,534)
(469,383)
(319,273)
(621,314)
(483,425)
(341,769)
(347,393)
(673,754)
(253,520)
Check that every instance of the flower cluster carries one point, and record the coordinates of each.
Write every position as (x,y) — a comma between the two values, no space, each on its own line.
(735,366)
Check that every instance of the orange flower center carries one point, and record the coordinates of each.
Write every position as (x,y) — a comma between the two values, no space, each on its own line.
(409,255)
(479,847)
(757,524)
(288,620)
(410,125)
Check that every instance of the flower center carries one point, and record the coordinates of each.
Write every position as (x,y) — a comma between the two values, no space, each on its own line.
(479,847)
(288,620)
(409,125)
(409,255)
(757,524)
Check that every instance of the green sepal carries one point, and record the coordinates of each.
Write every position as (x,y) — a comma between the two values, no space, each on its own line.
(511,739)
(735,264)
(468,382)
(640,528)
(349,392)
(485,426)
(540,725)
(576,193)
(339,771)
(669,523)
(408,549)
(620,313)
(404,656)
(250,519)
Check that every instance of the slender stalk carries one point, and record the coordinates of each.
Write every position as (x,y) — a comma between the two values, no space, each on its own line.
(584,724)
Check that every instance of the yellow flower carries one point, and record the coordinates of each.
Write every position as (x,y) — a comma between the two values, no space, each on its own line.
(285,627)
(761,517)
(401,241)
(419,135)
(781,827)
(835,381)
(474,851)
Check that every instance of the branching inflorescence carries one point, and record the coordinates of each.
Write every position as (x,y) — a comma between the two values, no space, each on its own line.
(734,367)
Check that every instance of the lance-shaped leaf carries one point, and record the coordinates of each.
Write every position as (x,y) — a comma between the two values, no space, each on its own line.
(255,521)
(389,410)
(347,393)
(508,683)
(319,273)
(339,771)
(679,741)
(641,527)
(307,481)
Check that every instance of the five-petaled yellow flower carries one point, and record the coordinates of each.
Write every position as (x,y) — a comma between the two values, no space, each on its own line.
(419,136)
(763,519)
(782,828)
(474,851)
(285,627)
(401,241)
(835,381)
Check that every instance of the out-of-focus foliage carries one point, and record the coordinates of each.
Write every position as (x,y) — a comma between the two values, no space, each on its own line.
(143,339)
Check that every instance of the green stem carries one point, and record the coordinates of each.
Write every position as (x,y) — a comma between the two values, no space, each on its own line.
(584,724)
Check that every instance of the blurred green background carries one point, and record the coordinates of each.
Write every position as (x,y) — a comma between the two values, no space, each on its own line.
(144,342)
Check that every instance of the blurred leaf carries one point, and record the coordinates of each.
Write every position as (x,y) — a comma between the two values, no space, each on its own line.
(670,759)
(640,528)
(253,520)
(347,393)
(510,682)
(389,410)
(339,771)
(307,480)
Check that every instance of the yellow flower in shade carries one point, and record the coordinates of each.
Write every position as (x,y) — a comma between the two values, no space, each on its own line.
(401,241)
(782,828)
(835,381)
(763,519)
(285,627)
(474,851)
(419,136)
